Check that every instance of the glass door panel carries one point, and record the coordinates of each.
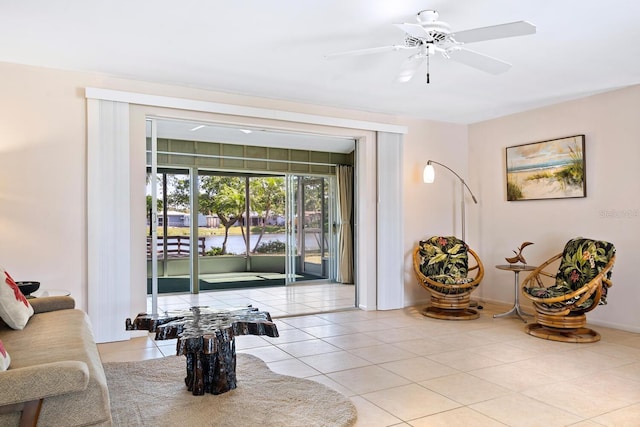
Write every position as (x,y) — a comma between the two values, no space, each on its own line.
(313,244)
(175,232)
(172,241)
(221,216)
(267,215)
(152,209)
(310,216)
(169,198)
(291,228)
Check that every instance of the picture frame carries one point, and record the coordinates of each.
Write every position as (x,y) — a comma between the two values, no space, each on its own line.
(552,169)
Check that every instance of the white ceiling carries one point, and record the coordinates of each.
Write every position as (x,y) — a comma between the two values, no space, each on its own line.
(276,49)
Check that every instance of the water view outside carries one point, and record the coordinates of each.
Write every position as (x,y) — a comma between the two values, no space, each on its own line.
(236,244)
(230,204)
(222,206)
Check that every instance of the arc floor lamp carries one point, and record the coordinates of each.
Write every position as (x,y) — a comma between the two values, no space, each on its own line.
(429,175)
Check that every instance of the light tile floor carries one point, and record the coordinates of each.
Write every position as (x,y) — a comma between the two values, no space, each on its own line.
(402,369)
(305,298)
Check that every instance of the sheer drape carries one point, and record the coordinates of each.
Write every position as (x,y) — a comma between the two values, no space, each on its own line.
(344,176)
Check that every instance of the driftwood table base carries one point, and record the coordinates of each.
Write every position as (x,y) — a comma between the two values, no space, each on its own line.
(207,338)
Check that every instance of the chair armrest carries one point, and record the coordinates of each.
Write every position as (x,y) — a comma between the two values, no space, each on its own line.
(44,304)
(42,381)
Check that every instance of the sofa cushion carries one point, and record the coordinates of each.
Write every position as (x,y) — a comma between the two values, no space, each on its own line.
(62,336)
(15,310)
(5,359)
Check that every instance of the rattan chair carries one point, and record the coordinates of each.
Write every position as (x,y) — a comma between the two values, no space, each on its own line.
(441,265)
(579,285)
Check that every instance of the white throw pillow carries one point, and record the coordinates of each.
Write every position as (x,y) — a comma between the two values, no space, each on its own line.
(15,310)
(5,360)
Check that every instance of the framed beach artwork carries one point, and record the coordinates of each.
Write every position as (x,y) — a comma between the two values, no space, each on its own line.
(553,169)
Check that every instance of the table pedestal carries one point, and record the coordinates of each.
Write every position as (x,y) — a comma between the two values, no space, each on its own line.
(516,309)
(213,373)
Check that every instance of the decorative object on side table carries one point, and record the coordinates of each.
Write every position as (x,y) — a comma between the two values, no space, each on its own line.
(519,256)
(28,287)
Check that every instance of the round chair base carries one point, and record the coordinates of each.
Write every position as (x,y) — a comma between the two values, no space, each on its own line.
(577,335)
(562,322)
(451,314)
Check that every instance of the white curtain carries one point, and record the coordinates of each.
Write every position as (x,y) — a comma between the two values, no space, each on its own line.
(108,219)
(390,257)
(344,176)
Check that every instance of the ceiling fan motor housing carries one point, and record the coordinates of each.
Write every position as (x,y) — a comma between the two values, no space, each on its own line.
(438,30)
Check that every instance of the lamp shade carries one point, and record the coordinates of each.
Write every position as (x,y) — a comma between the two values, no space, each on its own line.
(429,174)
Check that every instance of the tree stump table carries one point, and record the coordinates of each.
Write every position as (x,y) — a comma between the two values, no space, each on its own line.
(206,337)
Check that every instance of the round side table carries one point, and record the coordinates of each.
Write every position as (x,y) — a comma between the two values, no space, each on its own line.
(516,309)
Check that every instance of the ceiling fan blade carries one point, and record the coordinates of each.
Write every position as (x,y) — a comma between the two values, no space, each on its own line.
(415,30)
(480,61)
(410,66)
(513,29)
(367,51)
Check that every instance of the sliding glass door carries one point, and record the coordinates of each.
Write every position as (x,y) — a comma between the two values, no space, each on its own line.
(173,244)
(215,218)
(311,237)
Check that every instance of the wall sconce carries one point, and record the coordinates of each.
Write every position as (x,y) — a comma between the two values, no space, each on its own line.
(429,175)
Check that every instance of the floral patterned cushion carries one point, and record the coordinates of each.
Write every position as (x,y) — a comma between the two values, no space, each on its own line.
(582,260)
(450,280)
(445,260)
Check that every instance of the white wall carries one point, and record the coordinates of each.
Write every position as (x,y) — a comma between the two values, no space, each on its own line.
(433,209)
(43,182)
(43,178)
(43,167)
(611,210)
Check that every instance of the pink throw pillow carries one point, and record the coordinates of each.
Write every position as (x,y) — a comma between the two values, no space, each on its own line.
(5,360)
(15,310)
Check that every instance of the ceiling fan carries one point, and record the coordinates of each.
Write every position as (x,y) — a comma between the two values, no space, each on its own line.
(430,36)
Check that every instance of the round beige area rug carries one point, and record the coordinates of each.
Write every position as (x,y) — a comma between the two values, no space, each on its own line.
(152,393)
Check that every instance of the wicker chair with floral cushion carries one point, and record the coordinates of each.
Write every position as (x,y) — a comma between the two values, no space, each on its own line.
(580,285)
(441,265)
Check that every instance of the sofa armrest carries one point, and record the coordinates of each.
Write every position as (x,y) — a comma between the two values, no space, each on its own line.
(42,381)
(44,304)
